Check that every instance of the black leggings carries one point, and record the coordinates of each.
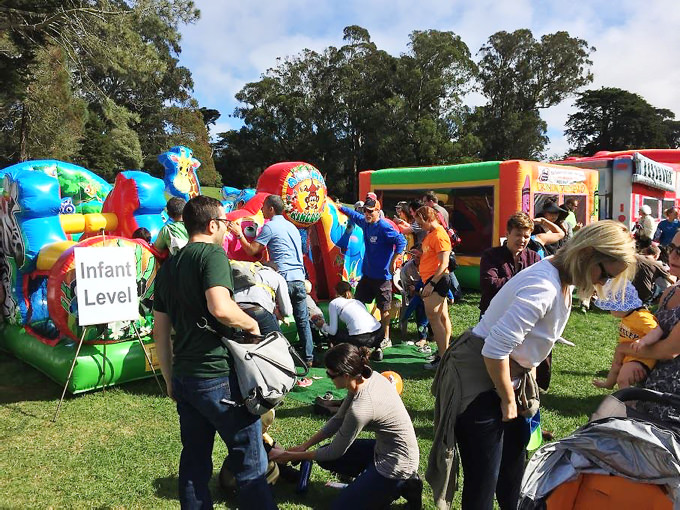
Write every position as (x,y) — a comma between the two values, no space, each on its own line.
(371,340)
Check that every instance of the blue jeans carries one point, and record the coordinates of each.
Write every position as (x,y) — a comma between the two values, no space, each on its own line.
(206,406)
(267,322)
(416,305)
(492,453)
(298,297)
(370,490)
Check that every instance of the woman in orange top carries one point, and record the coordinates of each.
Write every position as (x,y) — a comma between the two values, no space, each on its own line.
(434,271)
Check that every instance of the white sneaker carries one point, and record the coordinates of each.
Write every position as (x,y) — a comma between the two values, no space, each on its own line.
(385,343)
(432,365)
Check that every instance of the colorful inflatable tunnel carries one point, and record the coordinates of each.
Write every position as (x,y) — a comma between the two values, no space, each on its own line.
(39,308)
(480,197)
(333,247)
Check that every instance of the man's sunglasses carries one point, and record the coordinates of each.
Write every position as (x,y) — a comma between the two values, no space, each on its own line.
(225,220)
(672,249)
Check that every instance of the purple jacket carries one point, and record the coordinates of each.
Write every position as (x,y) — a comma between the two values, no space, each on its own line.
(497,267)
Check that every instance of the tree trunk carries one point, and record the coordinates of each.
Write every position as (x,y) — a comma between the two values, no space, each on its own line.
(23,133)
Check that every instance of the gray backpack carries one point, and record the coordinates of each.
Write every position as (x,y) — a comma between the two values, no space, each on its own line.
(265,370)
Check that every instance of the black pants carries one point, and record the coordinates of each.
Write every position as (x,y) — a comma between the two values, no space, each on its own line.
(492,453)
(371,340)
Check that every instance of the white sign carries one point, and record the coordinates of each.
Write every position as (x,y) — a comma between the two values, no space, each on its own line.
(653,173)
(106,284)
(560,176)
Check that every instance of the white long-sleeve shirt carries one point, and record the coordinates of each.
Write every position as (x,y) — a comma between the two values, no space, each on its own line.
(353,313)
(526,317)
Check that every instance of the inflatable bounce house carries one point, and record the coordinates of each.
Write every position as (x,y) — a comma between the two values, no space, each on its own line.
(333,251)
(50,208)
(480,197)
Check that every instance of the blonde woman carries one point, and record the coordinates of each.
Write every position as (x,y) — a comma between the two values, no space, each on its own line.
(434,271)
(485,384)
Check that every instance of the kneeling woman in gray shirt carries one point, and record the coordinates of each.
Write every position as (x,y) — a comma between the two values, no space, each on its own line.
(385,467)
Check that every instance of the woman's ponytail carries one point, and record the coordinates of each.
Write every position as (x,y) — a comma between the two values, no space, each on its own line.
(366,370)
(350,360)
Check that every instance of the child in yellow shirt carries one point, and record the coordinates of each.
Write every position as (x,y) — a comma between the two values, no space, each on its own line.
(636,323)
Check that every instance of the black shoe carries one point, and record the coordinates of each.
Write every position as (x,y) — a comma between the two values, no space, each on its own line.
(377,354)
(289,473)
(412,492)
(327,406)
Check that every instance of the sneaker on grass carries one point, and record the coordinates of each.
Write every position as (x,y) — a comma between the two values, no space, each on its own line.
(386,342)
(432,365)
(377,354)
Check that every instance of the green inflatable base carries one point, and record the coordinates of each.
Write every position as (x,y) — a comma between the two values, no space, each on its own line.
(468,276)
(125,361)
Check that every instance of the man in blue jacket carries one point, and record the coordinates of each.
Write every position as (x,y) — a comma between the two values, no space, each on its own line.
(384,244)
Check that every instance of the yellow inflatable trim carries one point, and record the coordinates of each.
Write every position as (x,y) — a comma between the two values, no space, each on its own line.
(49,254)
(93,222)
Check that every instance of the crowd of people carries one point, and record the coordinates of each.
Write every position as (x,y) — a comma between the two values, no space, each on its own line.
(487,380)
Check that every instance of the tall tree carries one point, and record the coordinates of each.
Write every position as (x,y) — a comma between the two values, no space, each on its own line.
(615,119)
(49,122)
(519,76)
(433,77)
(185,125)
(351,108)
(121,59)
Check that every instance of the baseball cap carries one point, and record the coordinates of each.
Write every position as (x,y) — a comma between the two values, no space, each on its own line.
(646,209)
(371,205)
(552,207)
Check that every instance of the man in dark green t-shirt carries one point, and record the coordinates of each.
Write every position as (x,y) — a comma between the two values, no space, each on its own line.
(192,289)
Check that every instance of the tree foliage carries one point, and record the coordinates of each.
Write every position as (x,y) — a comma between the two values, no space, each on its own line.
(520,75)
(615,119)
(351,108)
(116,94)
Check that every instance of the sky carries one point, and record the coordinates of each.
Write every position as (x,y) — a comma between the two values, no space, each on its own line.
(637,41)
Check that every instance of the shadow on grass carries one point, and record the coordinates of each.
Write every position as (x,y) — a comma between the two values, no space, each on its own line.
(317,495)
(146,387)
(19,382)
(585,373)
(297,412)
(571,406)
(166,487)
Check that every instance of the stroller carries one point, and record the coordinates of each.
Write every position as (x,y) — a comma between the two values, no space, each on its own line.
(621,459)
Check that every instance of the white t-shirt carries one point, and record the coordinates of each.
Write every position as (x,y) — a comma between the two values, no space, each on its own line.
(526,317)
(353,313)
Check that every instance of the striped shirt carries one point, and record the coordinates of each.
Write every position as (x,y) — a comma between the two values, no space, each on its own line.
(375,407)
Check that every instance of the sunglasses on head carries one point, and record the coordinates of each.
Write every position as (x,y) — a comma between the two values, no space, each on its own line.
(672,249)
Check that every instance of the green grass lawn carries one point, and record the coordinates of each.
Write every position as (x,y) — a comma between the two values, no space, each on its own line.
(120,448)
(212,192)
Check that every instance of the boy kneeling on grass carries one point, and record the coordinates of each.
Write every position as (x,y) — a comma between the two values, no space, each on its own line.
(639,327)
